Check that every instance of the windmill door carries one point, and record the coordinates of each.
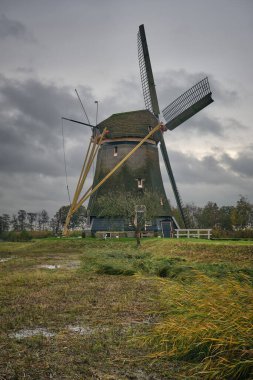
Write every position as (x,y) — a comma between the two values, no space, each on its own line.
(167,229)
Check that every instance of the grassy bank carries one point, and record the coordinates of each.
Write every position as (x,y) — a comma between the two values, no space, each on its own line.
(95,309)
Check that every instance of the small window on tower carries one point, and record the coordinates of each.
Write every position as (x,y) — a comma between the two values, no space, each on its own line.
(161,201)
(115,152)
(140,183)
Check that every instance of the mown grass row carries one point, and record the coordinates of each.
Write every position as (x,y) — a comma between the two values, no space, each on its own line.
(181,266)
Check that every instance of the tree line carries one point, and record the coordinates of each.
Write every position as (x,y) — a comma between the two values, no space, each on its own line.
(227,218)
(40,221)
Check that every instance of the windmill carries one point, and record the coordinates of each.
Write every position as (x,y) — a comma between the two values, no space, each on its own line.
(126,145)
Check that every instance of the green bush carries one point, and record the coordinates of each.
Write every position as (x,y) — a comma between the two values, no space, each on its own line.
(246,233)
(14,236)
(75,233)
(24,236)
(40,234)
(3,235)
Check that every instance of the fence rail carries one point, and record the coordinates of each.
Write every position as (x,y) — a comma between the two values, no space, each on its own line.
(196,233)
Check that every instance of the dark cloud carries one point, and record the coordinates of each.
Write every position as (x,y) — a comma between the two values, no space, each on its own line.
(171,84)
(125,96)
(25,70)
(232,125)
(30,126)
(205,125)
(223,95)
(188,169)
(13,28)
(32,192)
(200,180)
(31,152)
(243,164)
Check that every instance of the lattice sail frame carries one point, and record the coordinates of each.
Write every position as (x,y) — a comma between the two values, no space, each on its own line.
(144,76)
(188,104)
(147,79)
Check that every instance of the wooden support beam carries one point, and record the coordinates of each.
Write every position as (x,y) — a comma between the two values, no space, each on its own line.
(89,158)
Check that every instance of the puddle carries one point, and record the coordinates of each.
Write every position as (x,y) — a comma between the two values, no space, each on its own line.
(150,320)
(73,264)
(81,330)
(68,265)
(47,266)
(4,259)
(118,374)
(27,333)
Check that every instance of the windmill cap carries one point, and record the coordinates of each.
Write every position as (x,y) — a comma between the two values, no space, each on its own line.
(129,124)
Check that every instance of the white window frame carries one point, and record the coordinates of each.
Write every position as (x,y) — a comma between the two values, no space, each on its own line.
(140,183)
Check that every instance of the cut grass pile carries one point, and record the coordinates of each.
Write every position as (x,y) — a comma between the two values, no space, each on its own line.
(185,304)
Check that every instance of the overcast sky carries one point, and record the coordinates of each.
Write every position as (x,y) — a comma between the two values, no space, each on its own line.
(50,47)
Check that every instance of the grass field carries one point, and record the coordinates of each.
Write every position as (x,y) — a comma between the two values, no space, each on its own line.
(96,309)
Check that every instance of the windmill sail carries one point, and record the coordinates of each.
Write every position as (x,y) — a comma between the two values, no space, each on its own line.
(172,181)
(151,103)
(147,79)
(188,104)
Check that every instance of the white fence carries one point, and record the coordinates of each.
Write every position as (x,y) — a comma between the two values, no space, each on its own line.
(193,233)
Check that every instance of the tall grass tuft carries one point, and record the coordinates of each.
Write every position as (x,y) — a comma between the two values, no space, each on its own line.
(208,323)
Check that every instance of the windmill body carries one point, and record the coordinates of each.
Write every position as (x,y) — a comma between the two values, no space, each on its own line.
(141,173)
